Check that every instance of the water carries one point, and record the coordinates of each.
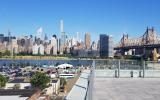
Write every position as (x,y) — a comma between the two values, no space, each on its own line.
(6,62)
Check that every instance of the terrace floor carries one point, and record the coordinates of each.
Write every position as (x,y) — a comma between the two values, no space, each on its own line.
(126,89)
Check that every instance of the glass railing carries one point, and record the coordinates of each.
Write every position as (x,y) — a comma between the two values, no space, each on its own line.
(126,68)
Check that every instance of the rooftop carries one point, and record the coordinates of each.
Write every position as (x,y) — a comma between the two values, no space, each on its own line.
(16,92)
(54,81)
(18,81)
(126,89)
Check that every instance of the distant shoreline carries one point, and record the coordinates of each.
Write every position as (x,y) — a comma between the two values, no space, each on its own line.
(42,58)
(48,58)
(54,58)
(35,58)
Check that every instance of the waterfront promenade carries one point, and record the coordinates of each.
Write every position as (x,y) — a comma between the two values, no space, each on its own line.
(126,89)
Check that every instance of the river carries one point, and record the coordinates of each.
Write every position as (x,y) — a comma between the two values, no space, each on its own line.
(7,62)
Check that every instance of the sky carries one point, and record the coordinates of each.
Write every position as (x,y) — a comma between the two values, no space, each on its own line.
(111,17)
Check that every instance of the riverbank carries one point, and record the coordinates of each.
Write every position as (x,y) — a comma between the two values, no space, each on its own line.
(61,57)
(37,58)
(46,58)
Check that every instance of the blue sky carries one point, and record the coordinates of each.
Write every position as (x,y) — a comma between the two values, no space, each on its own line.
(113,17)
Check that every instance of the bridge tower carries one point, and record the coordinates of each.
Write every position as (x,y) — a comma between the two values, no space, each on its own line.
(149,36)
(124,40)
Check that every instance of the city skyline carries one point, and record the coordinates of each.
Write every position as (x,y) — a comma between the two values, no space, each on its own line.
(104,17)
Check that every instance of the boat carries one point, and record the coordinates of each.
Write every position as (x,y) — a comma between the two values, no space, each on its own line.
(66,75)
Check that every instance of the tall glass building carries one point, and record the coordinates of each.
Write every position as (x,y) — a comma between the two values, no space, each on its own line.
(106,45)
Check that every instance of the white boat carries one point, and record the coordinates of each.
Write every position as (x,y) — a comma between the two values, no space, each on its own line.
(51,66)
(45,66)
(64,66)
(66,75)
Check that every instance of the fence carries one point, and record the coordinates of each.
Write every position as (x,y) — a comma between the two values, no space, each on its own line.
(126,68)
(121,69)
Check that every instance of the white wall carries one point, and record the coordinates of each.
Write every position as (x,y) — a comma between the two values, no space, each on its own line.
(53,88)
(22,85)
(35,49)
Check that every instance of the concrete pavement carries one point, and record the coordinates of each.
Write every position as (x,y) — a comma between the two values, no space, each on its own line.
(126,89)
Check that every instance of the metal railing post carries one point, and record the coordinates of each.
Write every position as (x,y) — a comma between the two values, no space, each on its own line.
(119,65)
(144,68)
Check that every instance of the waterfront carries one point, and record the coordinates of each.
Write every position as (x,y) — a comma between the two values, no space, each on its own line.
(26,62)
(62,74)
(111,71)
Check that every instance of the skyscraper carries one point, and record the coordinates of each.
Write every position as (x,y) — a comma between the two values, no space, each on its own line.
(61,26)
(93,46)
(106,46)
(63,38)
(78,36)
(1,38)
(87,40)
(45,38)
(110,46)
(39,33)
(54,45)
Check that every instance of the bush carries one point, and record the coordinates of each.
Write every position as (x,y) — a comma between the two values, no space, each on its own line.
(7,53)
(3,81)
(40,80)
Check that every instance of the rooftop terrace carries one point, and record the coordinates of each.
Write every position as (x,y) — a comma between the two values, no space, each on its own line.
(126,89)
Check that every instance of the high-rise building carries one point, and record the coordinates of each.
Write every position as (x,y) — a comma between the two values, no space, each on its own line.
(77,36)
(35,49)
(98,45)
(58,45)
(45,38)
(87,40)
(106,46)
(48,48)
(1,38)
(93,46)
(54,45)
(41,49)
(63,38)
(61,26)
(14,46)
(38,49)
(30,44)
(39,33)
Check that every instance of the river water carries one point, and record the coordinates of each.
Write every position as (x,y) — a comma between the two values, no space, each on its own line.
(6,62)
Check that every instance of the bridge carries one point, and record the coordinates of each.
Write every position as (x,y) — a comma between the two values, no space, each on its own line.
(149,41)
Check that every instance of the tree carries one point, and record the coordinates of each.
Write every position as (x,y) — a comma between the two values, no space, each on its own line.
(40,80)
(3,81)
(7,53)
(1,54)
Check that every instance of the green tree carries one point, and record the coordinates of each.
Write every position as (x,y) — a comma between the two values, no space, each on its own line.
(40,80)
(3,81)
(7,53)
(1,54)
